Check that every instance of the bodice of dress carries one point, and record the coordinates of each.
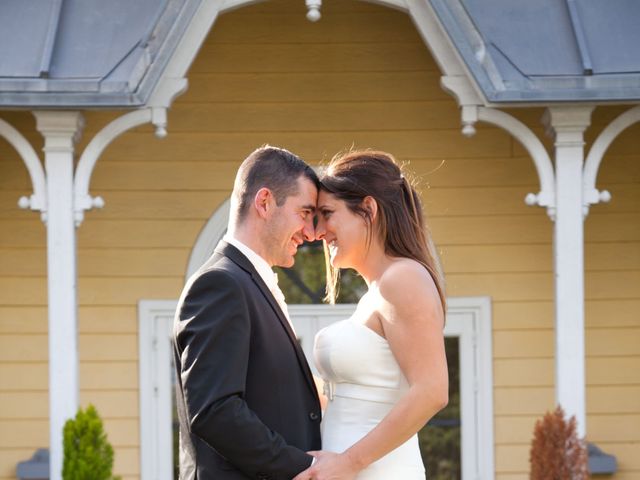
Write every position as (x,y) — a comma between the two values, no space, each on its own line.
(363,382)
(354,361)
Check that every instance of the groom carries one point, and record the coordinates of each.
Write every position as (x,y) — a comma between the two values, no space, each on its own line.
(247,404)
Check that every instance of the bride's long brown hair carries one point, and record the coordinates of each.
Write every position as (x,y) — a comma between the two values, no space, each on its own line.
(355,175)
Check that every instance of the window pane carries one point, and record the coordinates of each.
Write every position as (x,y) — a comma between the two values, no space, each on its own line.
(305,282)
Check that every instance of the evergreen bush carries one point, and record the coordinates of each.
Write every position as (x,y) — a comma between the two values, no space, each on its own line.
(556,451)
(88,455)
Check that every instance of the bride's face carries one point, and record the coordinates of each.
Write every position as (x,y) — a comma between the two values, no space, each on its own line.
(344,232)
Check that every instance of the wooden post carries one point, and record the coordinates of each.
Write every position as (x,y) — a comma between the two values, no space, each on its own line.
(60,130)
(568,125)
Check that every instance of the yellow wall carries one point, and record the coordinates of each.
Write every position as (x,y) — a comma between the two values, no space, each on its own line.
(360,76)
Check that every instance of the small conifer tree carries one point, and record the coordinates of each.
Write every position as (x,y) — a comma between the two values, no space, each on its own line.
(556,451)
(87,452)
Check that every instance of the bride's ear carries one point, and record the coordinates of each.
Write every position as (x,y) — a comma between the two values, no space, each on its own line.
(371,207)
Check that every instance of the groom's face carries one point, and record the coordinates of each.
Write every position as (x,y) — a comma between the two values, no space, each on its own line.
(291,224)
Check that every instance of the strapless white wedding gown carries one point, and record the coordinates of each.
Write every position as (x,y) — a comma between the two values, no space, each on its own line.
(363,382)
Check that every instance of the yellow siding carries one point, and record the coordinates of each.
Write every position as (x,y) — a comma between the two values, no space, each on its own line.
(361,76)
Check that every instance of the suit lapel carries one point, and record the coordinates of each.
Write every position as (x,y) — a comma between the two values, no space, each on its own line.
(237,257)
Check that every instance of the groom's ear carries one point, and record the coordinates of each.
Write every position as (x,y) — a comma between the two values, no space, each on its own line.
(263,202)
(371,207)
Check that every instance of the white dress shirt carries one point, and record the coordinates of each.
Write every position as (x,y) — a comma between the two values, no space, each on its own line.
(269,277)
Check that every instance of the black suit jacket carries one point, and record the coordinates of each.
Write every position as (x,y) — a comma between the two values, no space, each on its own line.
(247,403)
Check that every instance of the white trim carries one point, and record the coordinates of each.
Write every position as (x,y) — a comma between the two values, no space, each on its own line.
(228,5)
(533,145)
(60,130)
(193,38)
(38,200)
(569,124)
(472,111)
(469,318)
(401,5)
(436,40)
(155,318)
(83,200)
(165,93)
(420,11)
(156,115)
(209,237)
(590,194)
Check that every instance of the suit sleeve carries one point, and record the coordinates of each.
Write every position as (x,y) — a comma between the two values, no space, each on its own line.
(213,341)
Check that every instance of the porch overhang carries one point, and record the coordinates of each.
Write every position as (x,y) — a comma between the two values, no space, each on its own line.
(87,54)
(546,51)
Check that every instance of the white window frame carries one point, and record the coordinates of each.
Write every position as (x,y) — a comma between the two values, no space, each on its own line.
(469,319)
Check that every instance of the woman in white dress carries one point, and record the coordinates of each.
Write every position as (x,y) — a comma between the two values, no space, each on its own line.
(384,368)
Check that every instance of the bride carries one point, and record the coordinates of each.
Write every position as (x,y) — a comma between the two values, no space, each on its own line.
(384,369)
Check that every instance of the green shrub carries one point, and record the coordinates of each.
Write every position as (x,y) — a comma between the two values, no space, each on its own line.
(87,452)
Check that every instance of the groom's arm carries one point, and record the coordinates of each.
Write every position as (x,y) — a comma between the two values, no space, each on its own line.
(214,340)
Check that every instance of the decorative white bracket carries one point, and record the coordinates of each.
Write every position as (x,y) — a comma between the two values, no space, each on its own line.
(590,194)
(473,111)
(38,200)
(156,113)
(313,10)
(546,196)
(163,96)
(82,199)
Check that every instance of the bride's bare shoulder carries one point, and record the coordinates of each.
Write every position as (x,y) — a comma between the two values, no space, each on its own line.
(405,270)
(404,279)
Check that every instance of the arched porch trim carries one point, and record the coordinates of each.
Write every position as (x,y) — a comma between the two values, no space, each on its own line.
(473,111)
(590,194)
(38,200)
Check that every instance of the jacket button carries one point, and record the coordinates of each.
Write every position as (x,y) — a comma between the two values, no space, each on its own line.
(314,416)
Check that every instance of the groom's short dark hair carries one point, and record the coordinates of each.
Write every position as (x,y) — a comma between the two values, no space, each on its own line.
(274,168)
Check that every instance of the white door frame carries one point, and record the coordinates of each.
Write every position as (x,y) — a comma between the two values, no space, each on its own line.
(468,318)
(155,319)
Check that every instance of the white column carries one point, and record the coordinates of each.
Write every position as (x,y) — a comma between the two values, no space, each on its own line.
(60,130)
(569,124)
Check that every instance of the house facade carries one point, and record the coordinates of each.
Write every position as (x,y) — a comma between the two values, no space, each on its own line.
(361,76)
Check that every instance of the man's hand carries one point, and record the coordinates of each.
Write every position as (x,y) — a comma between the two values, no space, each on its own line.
(330,466)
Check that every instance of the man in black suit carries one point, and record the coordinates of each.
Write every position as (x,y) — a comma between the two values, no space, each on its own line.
(247,403)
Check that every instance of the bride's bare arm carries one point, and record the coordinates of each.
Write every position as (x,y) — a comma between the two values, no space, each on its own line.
(412,319)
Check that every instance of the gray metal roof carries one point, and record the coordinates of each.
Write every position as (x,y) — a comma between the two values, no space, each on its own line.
(87,53)
(111,53)
(548,50)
